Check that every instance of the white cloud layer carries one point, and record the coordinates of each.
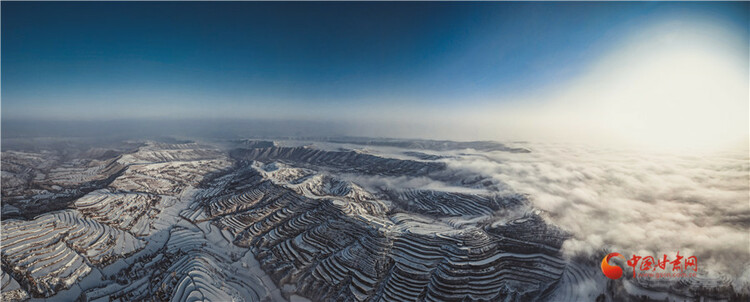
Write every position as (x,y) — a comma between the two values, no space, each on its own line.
(636,202)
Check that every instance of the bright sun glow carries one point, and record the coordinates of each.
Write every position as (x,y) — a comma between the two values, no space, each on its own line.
(670,88)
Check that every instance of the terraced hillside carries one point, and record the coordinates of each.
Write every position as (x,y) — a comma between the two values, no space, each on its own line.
(264,221)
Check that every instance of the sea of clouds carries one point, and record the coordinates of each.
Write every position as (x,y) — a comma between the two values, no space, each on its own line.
(635,202)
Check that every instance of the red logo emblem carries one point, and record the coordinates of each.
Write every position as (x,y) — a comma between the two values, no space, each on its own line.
(612,271)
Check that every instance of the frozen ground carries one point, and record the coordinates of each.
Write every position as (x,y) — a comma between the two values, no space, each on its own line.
(364,219)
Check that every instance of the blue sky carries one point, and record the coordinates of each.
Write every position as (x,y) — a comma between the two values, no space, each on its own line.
(87,60)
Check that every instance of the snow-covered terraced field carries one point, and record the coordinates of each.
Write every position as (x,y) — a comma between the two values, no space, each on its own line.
(73,173)
(58,249)
(166,177)
(328,238)
(270,221)
(156,152)
(343,161)
(123,210)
